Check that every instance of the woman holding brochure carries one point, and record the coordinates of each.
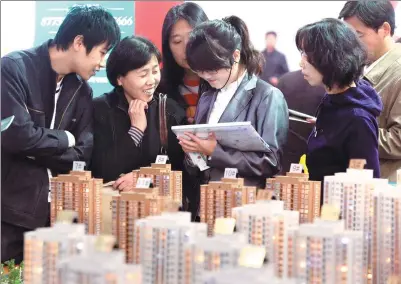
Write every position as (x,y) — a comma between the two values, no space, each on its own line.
(346,126)
(221,53)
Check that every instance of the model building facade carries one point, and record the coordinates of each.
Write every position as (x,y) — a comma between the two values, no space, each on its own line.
(386,234)
(167,181)
(129,207)
(219,198)
(328,254)
(298,194)
(79,192)
(159,247)
(44,248)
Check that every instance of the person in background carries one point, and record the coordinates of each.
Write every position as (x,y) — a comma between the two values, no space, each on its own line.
(45,89)
(178,80)
(275,62)
(302,97)
(398,40)
(346,126)
(221,53)
(126,120)
(374,22)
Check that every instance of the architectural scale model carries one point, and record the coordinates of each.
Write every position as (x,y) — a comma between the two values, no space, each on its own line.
(79,192)
(218,199)
(352,192)
(298,194)
(267,224)
(99,265)
(44,248)
(167,181)
(129,207)
(386,234)
(159,243)
(328,254)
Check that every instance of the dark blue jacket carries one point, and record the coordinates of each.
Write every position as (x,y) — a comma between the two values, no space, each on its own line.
(346,128)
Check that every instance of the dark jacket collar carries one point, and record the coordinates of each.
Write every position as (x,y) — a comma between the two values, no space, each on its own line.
(46,67)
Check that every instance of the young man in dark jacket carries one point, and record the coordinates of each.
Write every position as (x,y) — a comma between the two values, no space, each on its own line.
(45,89)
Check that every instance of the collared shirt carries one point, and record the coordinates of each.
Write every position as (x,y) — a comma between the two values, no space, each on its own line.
(223,99)
(371,66)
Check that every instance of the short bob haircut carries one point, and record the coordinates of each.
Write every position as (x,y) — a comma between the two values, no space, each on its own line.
(172,73)
(94,23)
(131,53)
(372,13)
(212,44)
(334,49)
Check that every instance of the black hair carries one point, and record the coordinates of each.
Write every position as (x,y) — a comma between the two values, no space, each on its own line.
(271,33)
(334,49)
(211,46)
(94,23)
(131,53)
(372,13)
(172,73)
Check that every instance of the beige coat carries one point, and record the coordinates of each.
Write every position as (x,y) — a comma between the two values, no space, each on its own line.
(386,79)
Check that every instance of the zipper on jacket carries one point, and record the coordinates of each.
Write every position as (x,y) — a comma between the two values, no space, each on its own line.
(69,103)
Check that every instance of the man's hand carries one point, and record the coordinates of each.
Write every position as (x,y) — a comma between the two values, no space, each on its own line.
(137,114)
(198,145)
(125,182)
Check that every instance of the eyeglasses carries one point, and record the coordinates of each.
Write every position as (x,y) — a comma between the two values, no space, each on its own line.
(210,72)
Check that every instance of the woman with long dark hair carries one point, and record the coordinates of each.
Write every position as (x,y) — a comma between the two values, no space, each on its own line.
(221,53)
(179,82)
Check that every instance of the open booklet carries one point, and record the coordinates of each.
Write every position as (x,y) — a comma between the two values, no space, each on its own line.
(237,135)
(299,116)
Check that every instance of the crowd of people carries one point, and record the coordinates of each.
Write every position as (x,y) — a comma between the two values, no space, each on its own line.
(349,79)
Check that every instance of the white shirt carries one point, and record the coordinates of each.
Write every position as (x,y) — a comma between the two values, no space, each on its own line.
(223,99)
(371,66)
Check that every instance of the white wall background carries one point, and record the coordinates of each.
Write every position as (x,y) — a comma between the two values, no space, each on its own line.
(284,17)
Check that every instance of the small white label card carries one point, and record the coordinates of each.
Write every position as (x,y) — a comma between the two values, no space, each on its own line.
(143,182)
(296,168)
(161,159)
(78,166)
(230,173)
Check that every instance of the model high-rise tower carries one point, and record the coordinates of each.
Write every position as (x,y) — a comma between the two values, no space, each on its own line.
(79,192)
(298,194)
(129,207)
(386,234)
(159,246)
(328,254)
(45,247)
(99,265)
(167,181)
(218,199)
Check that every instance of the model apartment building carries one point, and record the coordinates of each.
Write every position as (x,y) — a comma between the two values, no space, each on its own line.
(99,265)
(386,235)
(352,192)
(159,243)
(167,181)
(215,253)
(328,254)
(267,224)
(129,207)
(44,248)
(218,199)
(81,193)
(298,194)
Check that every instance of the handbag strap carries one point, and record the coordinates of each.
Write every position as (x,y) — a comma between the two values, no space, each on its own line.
(163,123)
